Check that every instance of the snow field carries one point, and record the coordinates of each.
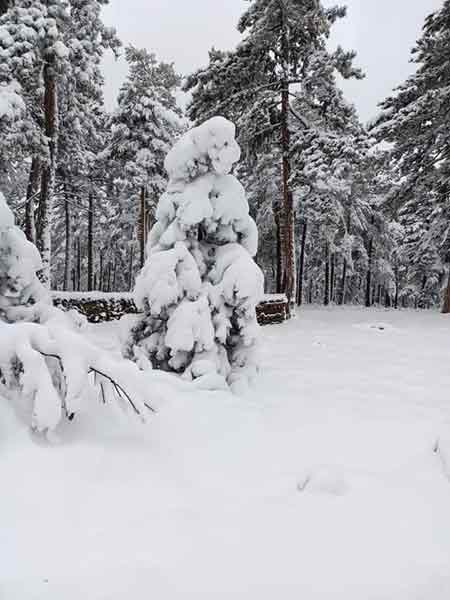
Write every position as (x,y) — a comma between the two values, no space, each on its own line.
(322,483)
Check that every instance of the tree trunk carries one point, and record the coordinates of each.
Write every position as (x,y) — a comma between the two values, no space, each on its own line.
(114,275)
(100,279)
(44,230)
(108,279)
(279,234)
(288,222)
(142,229)
(301,270)
(333,277)
(326,299)
(446,306)
(130,271)
(344,283)
(32,192)
(90,285)
(68,244)
(78,264)
(369,276)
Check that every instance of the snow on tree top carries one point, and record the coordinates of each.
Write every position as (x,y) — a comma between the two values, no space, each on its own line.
(211,144)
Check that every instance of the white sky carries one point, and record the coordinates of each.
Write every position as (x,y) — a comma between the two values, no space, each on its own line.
(381,31)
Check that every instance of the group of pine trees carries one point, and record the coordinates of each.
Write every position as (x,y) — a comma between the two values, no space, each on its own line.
(346,213)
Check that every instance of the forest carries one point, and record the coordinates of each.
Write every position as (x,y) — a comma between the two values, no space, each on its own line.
(224,305)
(347,213)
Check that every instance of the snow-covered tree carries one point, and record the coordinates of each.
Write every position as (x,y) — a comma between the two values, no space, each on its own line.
(253,86)
(415,120)
(45,364)
(52,50)
(144,128)
(200,286)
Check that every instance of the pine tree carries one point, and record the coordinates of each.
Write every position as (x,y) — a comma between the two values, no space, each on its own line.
(52,50)
(199,286)
(253,86)
(144,127)
(416,121)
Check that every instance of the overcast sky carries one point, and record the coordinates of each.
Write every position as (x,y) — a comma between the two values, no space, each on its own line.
(381,31)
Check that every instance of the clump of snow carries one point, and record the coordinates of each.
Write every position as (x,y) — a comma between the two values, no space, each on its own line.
(211,144)
(19,262)
(200,286)
(11,102)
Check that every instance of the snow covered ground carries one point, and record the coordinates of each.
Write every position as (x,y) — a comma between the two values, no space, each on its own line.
(323,484)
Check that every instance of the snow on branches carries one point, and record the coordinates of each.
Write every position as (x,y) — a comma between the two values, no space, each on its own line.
(200,286)
(44,361)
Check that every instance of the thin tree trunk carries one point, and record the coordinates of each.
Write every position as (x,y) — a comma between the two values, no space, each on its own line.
(344,283)
(44,230)
(78,264)
(369,276)
(100,282)
(288,249)
(301,271)
(114,275)
(130,271)
(32,192)
(68,244)
(326,299)
(108,289)
(90,284)
(446,306)
(332,277)
(142,229)
(279,234)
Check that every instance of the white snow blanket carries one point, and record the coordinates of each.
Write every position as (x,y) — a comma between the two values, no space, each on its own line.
(322,484)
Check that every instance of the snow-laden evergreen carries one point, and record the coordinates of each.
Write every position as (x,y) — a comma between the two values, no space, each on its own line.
(200,285)
(46,366)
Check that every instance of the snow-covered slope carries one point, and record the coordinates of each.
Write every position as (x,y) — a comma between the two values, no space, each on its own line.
(323,484)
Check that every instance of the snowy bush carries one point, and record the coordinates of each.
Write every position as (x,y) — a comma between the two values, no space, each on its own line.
(200,286)
(45,364)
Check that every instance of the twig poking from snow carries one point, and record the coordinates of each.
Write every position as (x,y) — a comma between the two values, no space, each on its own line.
(444,458)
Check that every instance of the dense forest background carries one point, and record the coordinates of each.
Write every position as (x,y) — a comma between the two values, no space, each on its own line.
(347,212)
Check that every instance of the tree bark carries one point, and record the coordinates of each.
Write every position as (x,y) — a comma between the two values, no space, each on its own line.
(369,276)
(68,244)
(78,264)
(279,234)
(446,306)
(288,222)
(90,285)
(344,283)
(301,271)
(100,279)
(333,277)
(32,192)
(326,299)
(44,230)
(130,270)
(142,226)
